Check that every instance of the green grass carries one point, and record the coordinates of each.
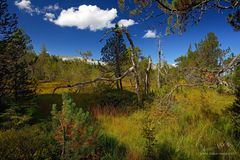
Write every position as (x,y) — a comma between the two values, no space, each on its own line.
(193,126)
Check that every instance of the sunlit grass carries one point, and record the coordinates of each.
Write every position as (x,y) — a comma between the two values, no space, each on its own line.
(190,126)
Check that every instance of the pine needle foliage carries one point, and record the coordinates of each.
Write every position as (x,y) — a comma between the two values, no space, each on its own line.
(74,130)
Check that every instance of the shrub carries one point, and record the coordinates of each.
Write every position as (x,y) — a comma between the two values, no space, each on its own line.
(74,131)
(26,143)
(17,115)
(234,111)
(149,136)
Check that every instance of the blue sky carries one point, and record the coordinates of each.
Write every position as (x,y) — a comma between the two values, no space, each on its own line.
(61,39)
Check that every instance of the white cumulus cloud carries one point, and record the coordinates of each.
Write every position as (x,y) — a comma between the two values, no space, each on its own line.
(150,34)
(24,4)
(87,17)
(126,23)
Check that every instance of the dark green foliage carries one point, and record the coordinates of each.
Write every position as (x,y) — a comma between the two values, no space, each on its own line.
(114,54)
(18,105)
(166,151)
(235,114)
(17,88)
(200,65)
(115,98)
(27,143)
(16,115)
(74,130)
(234,20)
(8,24)
(21,84)
(181,13)
(149,135)
(207,54)
(236,77)
(52,68)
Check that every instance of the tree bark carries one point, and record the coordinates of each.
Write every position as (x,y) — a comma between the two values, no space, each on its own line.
(159,65)
(147,78)
(135,66)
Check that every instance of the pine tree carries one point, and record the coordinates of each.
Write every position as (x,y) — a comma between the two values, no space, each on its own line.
(43,64)
(73,130)
(8,24)
(114,53)
(22,86)
(235,108)
(235,115)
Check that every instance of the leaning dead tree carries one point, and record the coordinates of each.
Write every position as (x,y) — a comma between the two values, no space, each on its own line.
(133,69)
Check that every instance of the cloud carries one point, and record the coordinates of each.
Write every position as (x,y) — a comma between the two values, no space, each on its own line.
(49,16)
(126,23)
(25,5)
(87,16)
(54,7)
(150,34)
(29,8)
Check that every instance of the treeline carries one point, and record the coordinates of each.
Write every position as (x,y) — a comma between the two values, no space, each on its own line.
(52,68)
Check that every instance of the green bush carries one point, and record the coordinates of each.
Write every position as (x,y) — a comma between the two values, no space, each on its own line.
(165,151)
(117,98)
(26,143)
(74,130)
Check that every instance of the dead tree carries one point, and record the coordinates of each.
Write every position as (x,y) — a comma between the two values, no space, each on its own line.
(135,66)
(95,80)
(217,78)
(159,64)
(133,69)
(147,77)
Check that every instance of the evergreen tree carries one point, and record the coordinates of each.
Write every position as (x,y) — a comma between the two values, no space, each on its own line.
(114,53)
(209,52)
(8,24)
(22,86)
(42,64)
(235,114)
(235,108)
(181,13)
(73,130)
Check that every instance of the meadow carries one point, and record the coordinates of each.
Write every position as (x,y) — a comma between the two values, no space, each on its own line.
(193,127)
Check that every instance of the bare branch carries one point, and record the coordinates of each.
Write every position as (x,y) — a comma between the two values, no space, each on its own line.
(168,97)
(95,80)
(230,65)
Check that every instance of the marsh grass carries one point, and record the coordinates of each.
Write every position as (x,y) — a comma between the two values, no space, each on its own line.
(193,128)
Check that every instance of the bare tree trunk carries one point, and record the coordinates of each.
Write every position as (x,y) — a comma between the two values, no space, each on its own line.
(64,143)
(121,87)
(159,64)
(147,78)
(117,63)
(135,66)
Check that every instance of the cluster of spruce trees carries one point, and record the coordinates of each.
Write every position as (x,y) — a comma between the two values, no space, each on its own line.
(15,79)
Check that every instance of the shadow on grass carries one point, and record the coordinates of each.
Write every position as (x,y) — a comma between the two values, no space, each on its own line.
(165,151)
(111,97)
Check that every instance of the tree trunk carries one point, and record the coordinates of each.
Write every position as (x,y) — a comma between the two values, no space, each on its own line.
(117,63)
(159,65)
(135,66)
(147,78)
